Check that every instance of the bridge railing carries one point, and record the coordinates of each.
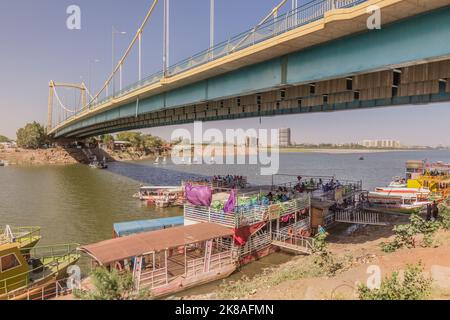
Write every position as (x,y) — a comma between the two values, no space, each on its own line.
(305,14)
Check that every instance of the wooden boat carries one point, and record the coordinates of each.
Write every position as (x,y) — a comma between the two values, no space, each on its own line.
(171,260)
(25,272)
(24,237)
(161,196)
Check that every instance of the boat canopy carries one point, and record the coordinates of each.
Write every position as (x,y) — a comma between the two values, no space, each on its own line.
(132,227)
(119,249)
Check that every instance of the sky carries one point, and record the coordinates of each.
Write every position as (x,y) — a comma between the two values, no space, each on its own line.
(36,47)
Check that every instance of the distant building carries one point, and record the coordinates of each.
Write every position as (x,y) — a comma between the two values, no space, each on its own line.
(381,144)
(284,136)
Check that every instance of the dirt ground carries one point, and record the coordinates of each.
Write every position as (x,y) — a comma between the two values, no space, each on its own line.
(364,244)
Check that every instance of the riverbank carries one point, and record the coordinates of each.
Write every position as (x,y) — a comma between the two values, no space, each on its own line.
(342,151)
(51,156)
(302,279)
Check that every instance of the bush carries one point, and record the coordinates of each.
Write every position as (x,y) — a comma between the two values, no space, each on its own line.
(110,285)
(413,286)
(406,235)
(32,136)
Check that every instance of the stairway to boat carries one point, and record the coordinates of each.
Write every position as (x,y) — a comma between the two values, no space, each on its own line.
(360,216)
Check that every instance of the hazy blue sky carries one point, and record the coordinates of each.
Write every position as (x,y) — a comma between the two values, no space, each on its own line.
(36,47)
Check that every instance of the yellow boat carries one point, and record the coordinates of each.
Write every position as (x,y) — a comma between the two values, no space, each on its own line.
(25,237)
(26,272)
(432,176)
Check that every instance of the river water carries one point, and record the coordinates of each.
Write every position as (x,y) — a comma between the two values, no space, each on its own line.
(76,204)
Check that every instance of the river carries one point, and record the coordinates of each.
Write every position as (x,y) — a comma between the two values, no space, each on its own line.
(78,204)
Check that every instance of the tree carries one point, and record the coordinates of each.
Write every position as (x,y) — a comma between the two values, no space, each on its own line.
(4,139)
(107,139)
(110,285)
(32,136)
(151,142)
(135,138)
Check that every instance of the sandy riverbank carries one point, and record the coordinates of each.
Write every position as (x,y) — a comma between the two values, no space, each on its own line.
(52,156)
(362,249)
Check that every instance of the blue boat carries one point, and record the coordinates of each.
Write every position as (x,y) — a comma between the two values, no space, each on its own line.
(123,229)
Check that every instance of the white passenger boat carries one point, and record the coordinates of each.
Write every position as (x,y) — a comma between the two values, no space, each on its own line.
(161,196)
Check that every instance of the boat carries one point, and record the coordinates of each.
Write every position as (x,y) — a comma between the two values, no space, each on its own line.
(3,163)
(25,272)
(171,260)
(162,196)
(394,201)
(398,182)
(123,229)
(98,165)
(361,159)
(24,237)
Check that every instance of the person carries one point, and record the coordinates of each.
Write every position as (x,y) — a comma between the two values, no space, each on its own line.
(429,212)
(435,211)
(321,230)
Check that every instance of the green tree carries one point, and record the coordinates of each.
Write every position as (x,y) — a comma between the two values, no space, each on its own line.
(4,139)
(151,142)
(135,138)
(110,285)
(107,139)
(413,286)
(32,136)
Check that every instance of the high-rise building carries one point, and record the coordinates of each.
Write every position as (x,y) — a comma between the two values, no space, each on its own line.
(284,136)
(381,144)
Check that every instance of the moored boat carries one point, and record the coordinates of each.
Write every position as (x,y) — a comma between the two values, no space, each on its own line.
(24,237)
(161,196)
(123,229)
(397,202)
(24,272)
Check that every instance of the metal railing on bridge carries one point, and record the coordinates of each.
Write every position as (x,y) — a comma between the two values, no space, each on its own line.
(305,14)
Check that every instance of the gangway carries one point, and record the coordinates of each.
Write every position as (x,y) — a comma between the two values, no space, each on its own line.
(360,216)
(297,244)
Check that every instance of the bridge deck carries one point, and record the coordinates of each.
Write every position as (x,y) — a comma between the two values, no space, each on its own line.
(288,38)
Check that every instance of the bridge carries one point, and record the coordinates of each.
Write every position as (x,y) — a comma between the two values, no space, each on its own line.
(317,57)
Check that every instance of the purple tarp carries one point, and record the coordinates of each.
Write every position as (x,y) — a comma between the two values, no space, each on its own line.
(199,196)
(231,203)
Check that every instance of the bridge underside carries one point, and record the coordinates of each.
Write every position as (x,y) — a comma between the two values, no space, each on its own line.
(407,62)
(419,84)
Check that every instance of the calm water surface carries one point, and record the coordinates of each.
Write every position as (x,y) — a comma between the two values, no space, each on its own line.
(79,204)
